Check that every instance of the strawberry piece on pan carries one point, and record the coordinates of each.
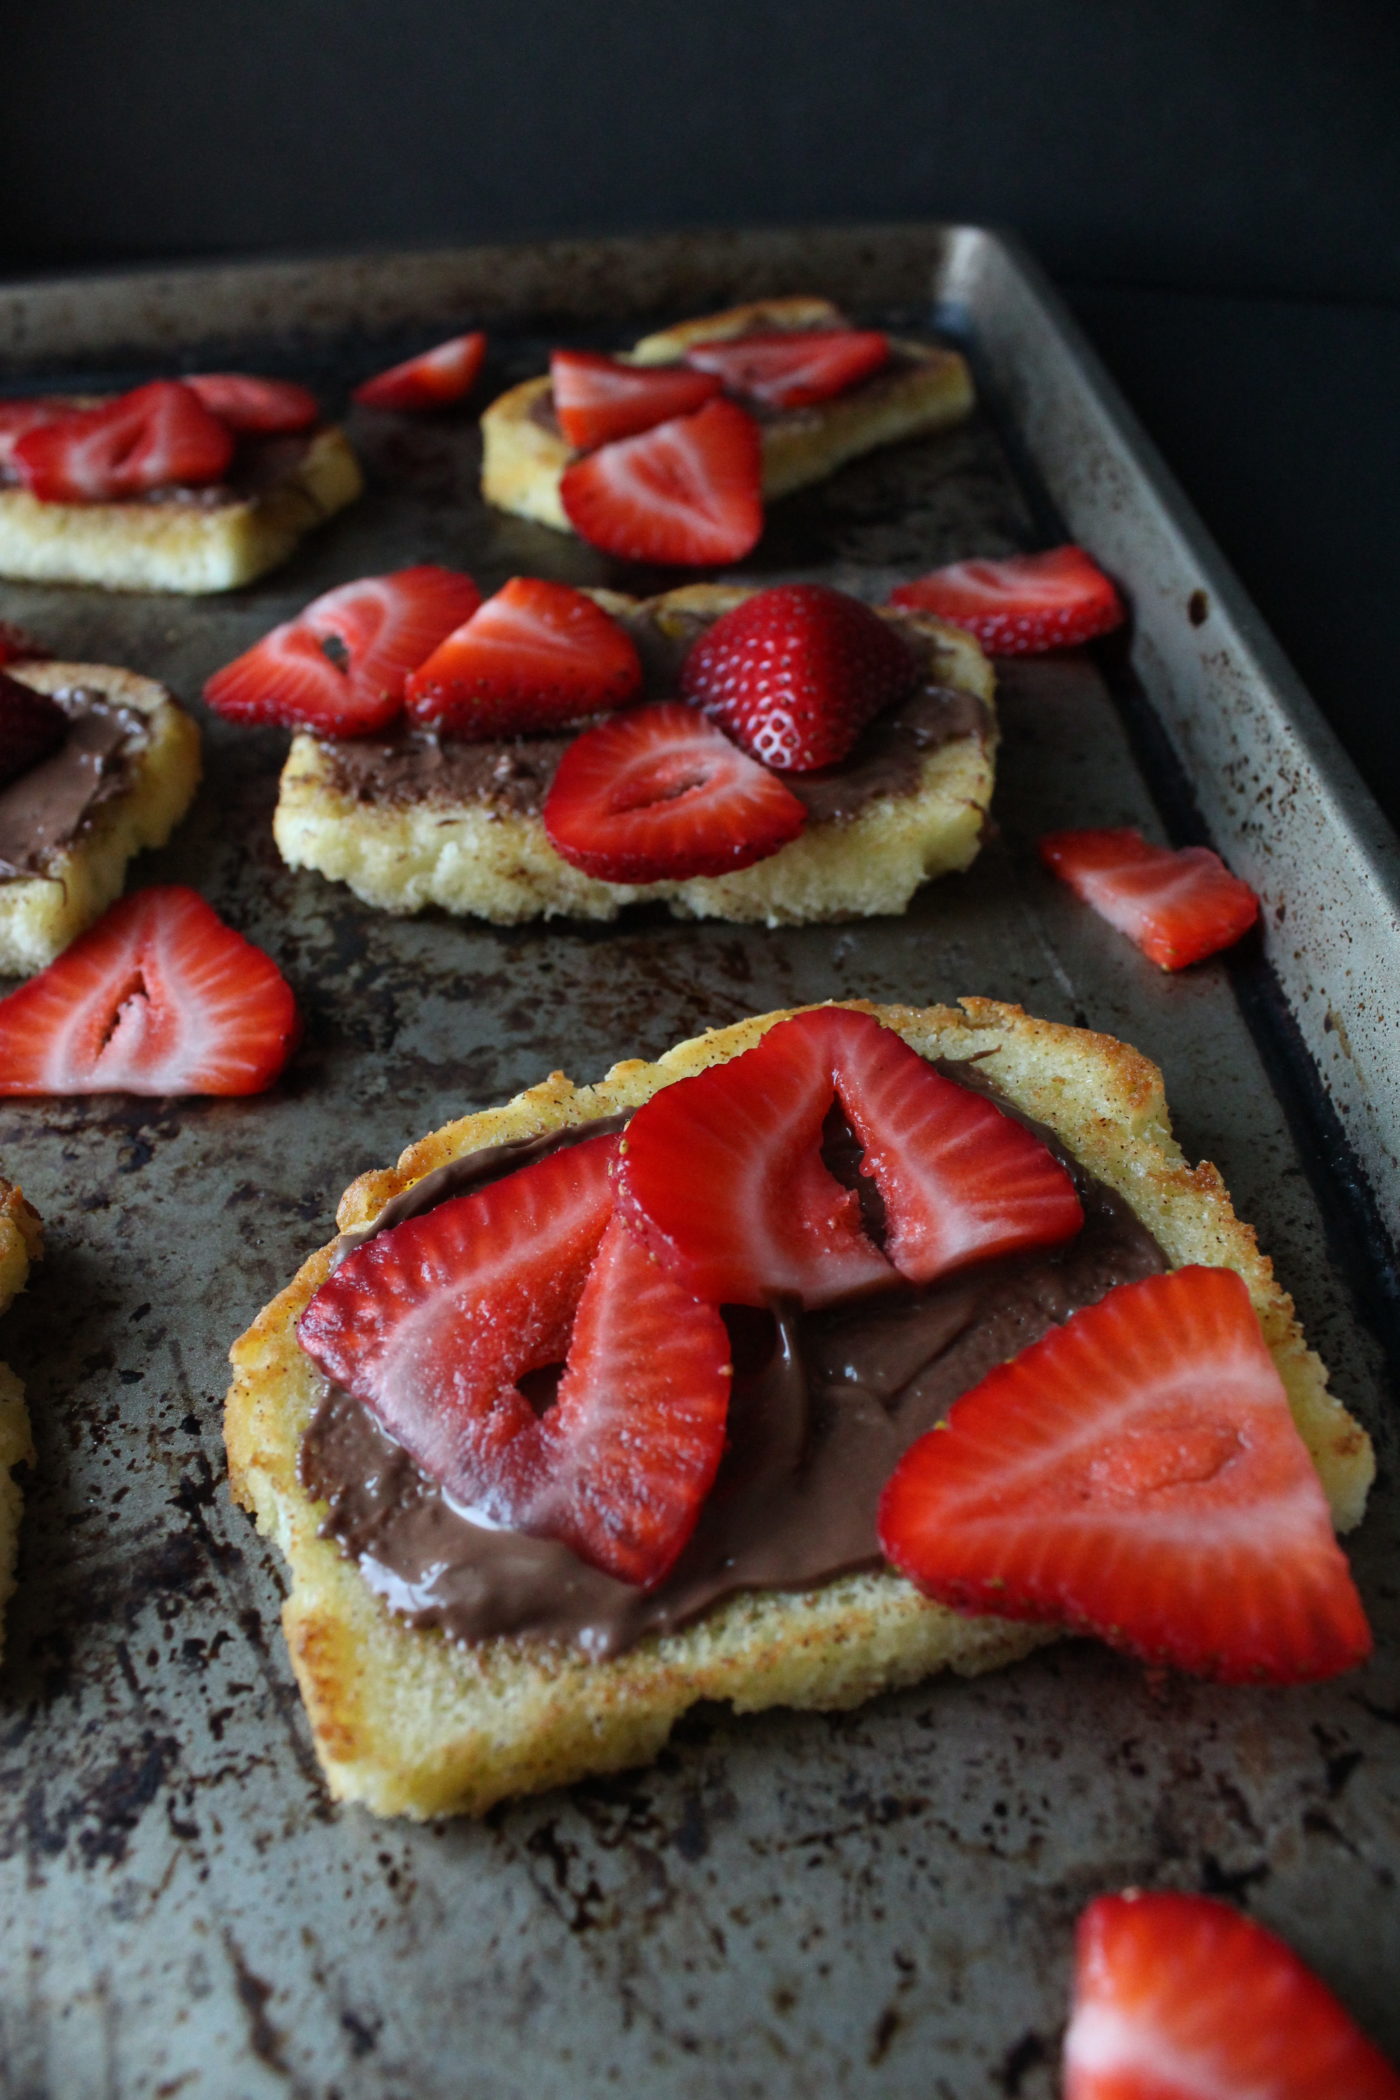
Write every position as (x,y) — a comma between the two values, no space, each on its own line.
(1178,905)
(794,674)
(598,399)
(535,656)
(159,997)
(434,379)
(1179,1997)
(267,406)
(795,368)
(658,794)
(1137,1474)
(724,1171)
(687,492)
(32,726)
(339,668)
(1023,605)
(436,1323)
(158,436)
(17,418)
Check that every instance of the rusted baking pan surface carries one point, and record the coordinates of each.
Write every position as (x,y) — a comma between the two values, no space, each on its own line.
(877,1903)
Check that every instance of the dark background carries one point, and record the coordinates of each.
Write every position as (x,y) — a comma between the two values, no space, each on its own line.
(1215,183)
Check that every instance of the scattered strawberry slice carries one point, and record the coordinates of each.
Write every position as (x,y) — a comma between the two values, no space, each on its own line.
(245,403)
(340,666)
(158,436)
(1179,1997)
(17,646)
(794,673)
(1022,605)
(32,726)
(687,492)
(598,399)
(434,379)
(159,997)
(1178,905)
(659,794)
(435,1323)
(793,368)
(17,418)
(533,657)
(1137,1474)
(723,1170)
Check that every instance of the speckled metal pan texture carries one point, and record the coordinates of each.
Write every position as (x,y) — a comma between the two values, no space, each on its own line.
(878,1903)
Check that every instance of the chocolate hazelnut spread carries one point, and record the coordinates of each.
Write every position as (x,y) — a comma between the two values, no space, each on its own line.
(47,809)
(512,776)
(822,1407)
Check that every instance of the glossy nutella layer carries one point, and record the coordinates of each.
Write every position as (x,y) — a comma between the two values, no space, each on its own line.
(46,810)
(823,1406)
(512,775)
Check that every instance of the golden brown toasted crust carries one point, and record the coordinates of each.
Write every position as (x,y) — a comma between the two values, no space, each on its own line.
(926,389)
(412,1725)
(21,1241)
(174,546)
(476,858)
(41,914)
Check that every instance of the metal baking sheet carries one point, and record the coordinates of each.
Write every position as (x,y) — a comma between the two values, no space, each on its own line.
(862,1904)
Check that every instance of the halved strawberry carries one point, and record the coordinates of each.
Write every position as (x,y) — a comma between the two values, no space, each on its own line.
(793,368)
(157,436)
(17,418)
(724,1170)
(536,655)
(247,403)
(1022,605)
(1179,1997)
(794,673)
(599,398)
(340,666)
(659,794)
(686,492)
(433,379)
(159,997)
(17,645)
(1137,1474)
(435,1323)
(32,726)
(1178,905)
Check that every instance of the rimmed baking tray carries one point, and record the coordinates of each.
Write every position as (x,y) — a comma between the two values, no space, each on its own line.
(875,1903)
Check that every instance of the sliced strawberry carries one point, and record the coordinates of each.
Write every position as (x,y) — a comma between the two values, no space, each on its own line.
(434,379)
(723,1171)
(159,436)
(159,997)
(689,491)
(793,368)
(658,794)
(533,657)
(598,399)
(1177,905)
(794,673)
(340,666)
(435,1323)
(32,726)
(1137,1474)
(17,646)
(265,405)
(1022,605)
(17,418)
(1178,1997)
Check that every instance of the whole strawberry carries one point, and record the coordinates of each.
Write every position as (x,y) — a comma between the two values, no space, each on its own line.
(795,673)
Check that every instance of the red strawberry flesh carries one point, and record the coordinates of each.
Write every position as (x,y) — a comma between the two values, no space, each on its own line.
(158,436)
(435,1323)
(268,407)
(1022,605)
(159,997)
(795,368)
(794,674)
(535,656)
(32,727)
(1178,905)
(1137,1474)
(1179,1997)
(658,794)
(598,399)
(687,492)
(16,646)
(434,379)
